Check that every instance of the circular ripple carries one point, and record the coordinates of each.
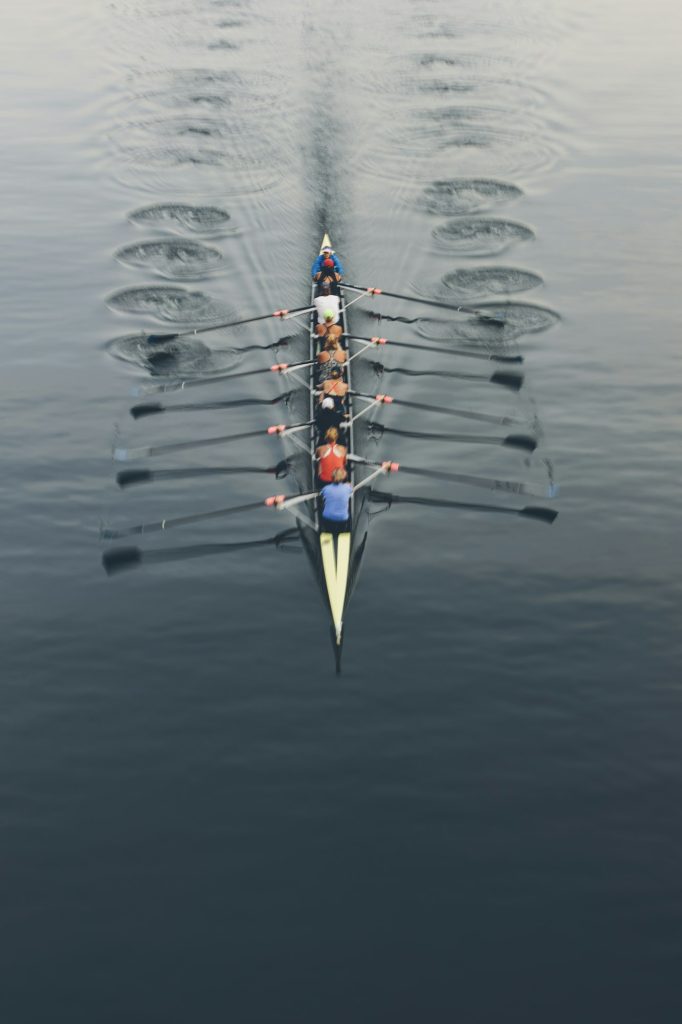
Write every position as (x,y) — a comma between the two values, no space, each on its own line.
(182,357)
(233,154)
(204,219)
(519,319)
(496,280)
(466,195)
(474,237)
(173,305)
(170,258)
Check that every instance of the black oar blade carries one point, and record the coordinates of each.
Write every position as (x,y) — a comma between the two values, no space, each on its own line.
(133,476)
(155,339)
(545,515)
(118,559)
(508,380)
(146,409)
(523,441)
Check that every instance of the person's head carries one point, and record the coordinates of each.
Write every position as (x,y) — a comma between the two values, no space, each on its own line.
(332,435)
(327,403)
(328,317)
(328,262)
(327,250)
(330,342)
(336,373)
(339,475)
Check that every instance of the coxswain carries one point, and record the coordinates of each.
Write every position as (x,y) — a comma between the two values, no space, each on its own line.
(332,357)
(328,308)
(327,266)
(330,456)
(336,504)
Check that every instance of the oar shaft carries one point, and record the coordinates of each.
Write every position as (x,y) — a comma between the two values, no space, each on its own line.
(282,314)
(464,352)
(167,524)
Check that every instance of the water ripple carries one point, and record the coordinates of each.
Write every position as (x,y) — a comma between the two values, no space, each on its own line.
(172,305)
(466,195)
(182,216)
(171,258)
(480,237)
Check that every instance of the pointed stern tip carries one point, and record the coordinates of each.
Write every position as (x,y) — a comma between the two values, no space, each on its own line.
(337,645)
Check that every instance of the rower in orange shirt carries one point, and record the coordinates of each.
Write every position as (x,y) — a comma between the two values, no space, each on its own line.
(330,455)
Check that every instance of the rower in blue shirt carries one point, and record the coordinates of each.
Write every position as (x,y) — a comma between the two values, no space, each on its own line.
(336,504)
(327,266)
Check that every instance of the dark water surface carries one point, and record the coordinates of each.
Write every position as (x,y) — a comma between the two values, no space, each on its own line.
(479,821)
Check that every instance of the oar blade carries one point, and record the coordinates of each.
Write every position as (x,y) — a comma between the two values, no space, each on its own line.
(545,515)
(514,381)
(146,409)
(118,559)
(127,477)
(155,339)
(523,441)
(506,359)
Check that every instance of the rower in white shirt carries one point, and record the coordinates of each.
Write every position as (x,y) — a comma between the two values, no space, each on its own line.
(328,308)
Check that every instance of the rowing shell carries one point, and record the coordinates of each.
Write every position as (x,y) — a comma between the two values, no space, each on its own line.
(335,559)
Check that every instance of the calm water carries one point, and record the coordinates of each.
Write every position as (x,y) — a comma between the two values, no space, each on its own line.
(479,821)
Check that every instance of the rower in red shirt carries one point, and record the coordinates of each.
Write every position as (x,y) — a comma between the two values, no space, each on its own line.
(330,455)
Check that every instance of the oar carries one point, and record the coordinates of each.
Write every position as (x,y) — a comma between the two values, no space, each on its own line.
(504,378)
(125,454)
(544,515)
(117,559)
(467,353)
(482,417)
(379,368)
(126,477)
(166,524)
(522,441)
(488,483)
(153,408)
(427,302)
(281,313)
(218,378)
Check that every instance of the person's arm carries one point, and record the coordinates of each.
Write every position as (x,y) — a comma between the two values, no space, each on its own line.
(337,263)
(315,269)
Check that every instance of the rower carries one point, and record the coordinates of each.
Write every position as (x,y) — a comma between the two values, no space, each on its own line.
(330,456)
(328,416)
(332,357)
(328,309)
(336,504)
(327,266)
(336,388)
